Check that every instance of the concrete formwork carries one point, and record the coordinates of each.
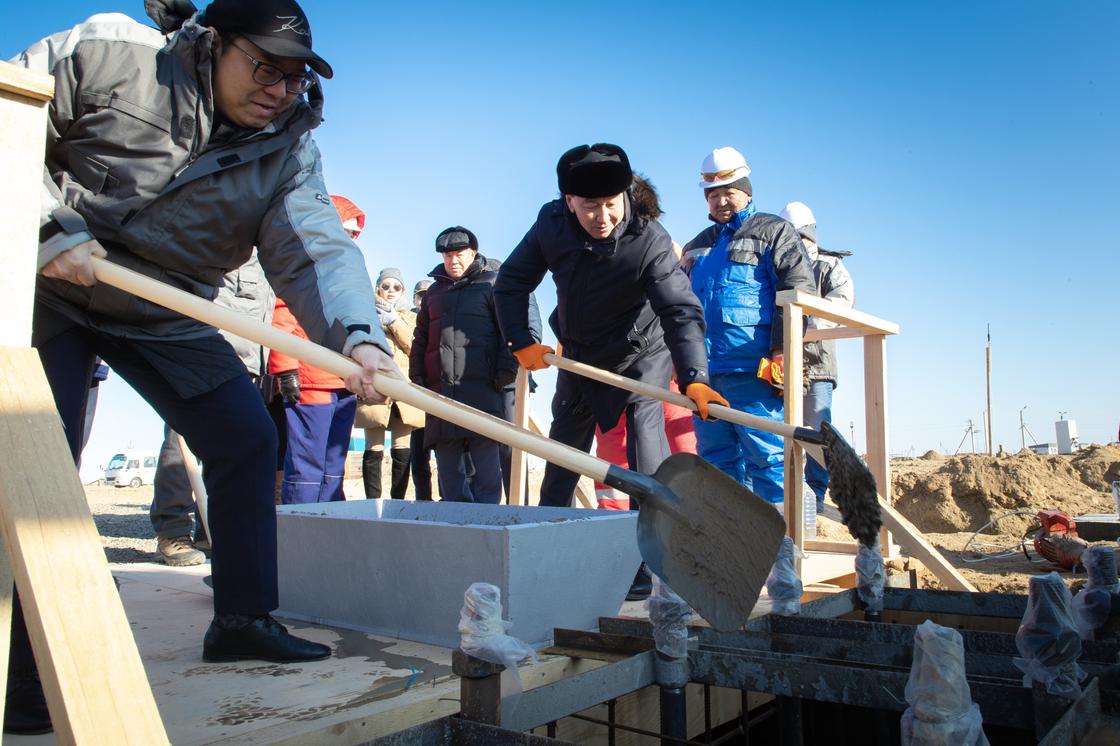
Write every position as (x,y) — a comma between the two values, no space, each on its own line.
(400,568)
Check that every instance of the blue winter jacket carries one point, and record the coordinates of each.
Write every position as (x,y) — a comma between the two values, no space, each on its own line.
(736,278)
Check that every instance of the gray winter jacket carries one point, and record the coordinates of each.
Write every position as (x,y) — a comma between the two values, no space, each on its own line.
(135,160)
(246,291)
(836,285)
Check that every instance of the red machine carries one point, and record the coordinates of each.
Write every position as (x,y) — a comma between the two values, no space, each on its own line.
(1055,538)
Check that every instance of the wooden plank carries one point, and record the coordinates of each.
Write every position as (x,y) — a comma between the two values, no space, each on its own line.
(95,684)
(835,332)
(794,348)
(911,539)
(24,124)
(518,481)
(826,545)
(6,585)
(26,83)
(875,419)
(827,309)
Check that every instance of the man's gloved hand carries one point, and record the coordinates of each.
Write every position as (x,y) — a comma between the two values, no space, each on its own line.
(531,357)
(702,395)
(288,382)
(772,370)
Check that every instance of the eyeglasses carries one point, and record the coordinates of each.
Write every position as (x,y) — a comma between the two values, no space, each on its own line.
(268,75)
(719,175)
(391,286)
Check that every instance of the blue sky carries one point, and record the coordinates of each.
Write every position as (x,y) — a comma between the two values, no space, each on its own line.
(965,153)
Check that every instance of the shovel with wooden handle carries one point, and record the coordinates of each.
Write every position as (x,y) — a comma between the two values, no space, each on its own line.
(707,536)
(850,481)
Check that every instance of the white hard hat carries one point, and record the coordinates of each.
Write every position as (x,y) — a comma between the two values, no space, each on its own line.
(802,218)
(723,166)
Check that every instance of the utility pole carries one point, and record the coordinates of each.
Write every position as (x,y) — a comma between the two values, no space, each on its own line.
(988,414)
(1022,430)
(852,430)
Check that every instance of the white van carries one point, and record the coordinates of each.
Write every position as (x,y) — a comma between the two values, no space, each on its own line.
(131,469)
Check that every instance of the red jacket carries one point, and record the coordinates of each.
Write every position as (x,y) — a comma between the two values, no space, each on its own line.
(315,384)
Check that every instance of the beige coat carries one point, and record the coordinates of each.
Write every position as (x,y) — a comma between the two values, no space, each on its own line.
(399,336)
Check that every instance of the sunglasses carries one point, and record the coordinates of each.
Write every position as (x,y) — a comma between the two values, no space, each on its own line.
(269,75)
(391,286)
(719,175)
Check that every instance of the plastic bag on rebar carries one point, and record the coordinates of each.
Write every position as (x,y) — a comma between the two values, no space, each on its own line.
(669,615)
(941,711)
(482,633)
(870,575)
(1092,606)
(1048,640)
(783,585)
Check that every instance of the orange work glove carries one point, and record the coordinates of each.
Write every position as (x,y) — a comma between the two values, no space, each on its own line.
(772,370)
(531,357)
(702,395)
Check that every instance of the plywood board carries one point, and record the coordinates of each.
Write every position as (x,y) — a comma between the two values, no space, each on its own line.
(91,670)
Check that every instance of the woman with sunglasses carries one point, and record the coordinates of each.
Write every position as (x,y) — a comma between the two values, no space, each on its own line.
(398,418)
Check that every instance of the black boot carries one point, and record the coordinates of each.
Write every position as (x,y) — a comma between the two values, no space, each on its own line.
(371,473)
(642,585)
(25,711)
(399,481)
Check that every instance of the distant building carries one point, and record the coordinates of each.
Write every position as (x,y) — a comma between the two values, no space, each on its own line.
(1045,449)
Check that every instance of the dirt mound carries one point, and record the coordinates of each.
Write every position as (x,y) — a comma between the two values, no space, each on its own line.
(932,455)
(1099,466)
(964,492)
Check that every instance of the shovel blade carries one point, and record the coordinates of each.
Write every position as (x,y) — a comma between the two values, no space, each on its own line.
(712,540)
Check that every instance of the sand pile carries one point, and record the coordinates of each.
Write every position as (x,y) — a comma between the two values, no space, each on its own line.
(962,493)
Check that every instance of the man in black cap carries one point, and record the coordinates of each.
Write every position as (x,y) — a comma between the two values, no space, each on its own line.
(175,156)
(623,304)
(457,351)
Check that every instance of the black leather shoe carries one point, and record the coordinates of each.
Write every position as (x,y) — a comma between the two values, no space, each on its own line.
(235,637)
(25,713)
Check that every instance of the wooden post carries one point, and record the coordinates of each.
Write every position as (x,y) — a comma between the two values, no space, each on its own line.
(875,419)
(23,120)
(518,478)
(94,682)
(792,319)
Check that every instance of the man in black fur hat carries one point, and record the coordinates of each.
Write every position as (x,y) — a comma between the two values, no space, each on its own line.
(623,304)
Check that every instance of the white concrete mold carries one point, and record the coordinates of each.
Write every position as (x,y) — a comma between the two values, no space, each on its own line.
(400,568)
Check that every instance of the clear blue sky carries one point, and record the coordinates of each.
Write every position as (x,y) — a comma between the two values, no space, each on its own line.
(965,152)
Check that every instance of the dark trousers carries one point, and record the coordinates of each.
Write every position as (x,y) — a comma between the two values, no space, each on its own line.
(226,427)
(318,438)
(573,423)
(173,511)
(421,465)
(484,485)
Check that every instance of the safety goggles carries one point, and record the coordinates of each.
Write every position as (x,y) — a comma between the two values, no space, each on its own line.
(720,175)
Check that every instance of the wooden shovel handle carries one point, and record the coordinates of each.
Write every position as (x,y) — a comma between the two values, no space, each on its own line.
(386,383)
(656,392)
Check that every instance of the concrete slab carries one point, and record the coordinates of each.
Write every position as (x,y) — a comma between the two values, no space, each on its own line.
(400,568)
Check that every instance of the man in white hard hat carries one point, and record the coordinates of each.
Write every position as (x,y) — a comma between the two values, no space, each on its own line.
(736,266)
(836,285)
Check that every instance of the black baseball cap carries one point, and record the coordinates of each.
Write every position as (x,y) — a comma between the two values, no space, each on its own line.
(279,27)
(598,170)
(455,238)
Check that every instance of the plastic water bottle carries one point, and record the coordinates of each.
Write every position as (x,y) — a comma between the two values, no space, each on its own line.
(809,508)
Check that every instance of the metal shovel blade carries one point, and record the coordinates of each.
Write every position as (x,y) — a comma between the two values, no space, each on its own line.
(709,537)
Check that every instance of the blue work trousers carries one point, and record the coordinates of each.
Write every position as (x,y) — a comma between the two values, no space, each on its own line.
(318,438)
(753,458)
(818,409)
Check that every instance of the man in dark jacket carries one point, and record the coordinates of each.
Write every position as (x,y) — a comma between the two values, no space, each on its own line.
(736,267)
(176,155)
(622,304)
(457,351)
